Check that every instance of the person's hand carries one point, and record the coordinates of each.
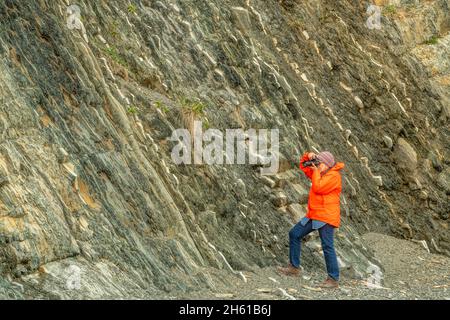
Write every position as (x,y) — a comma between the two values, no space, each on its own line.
(313,166)
(311,155)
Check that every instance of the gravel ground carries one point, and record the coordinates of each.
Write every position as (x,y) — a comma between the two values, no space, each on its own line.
(410,273)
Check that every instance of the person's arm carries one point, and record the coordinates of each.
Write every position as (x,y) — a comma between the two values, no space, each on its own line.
(307,170)
(323,184)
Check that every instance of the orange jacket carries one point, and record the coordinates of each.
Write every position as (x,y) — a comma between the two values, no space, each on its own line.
(324,195)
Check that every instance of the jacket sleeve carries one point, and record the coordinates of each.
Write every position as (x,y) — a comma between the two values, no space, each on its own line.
(325,184)
(307,170)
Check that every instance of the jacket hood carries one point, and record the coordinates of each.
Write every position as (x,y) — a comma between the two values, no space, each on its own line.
(338,166)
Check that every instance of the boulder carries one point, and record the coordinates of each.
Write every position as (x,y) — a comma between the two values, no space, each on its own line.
(443,180)
(279,199)
(296,211)
(297,193)
(388,141)
(405,156)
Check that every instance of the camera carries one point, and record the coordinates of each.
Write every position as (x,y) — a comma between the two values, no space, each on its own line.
(311,162)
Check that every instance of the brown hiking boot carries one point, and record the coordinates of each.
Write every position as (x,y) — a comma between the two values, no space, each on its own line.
(330,283)
(290,270)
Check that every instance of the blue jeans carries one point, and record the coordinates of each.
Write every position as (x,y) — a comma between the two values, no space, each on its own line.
(326,237)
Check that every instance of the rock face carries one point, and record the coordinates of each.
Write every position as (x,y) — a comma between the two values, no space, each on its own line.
(90,199)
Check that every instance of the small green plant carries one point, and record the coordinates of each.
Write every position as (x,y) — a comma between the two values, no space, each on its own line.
(131,8)
(132,110)
(206,125)
(432,40)
(197,107)
(114,30)
(161,106)
(114,54)
(390,9)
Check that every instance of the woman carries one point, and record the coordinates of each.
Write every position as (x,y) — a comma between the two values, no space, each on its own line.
(323,215)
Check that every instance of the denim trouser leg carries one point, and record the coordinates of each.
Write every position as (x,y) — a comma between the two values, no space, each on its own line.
(295,236)
(327,238)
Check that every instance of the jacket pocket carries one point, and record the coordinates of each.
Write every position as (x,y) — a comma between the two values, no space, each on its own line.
(316,201)
(331,200)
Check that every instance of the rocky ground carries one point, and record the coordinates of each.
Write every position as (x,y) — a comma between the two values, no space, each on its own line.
(410,272)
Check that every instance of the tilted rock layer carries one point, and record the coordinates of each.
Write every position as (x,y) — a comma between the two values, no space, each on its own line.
(91,203)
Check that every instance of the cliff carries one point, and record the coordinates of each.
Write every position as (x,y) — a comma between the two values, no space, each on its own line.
(92,204)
